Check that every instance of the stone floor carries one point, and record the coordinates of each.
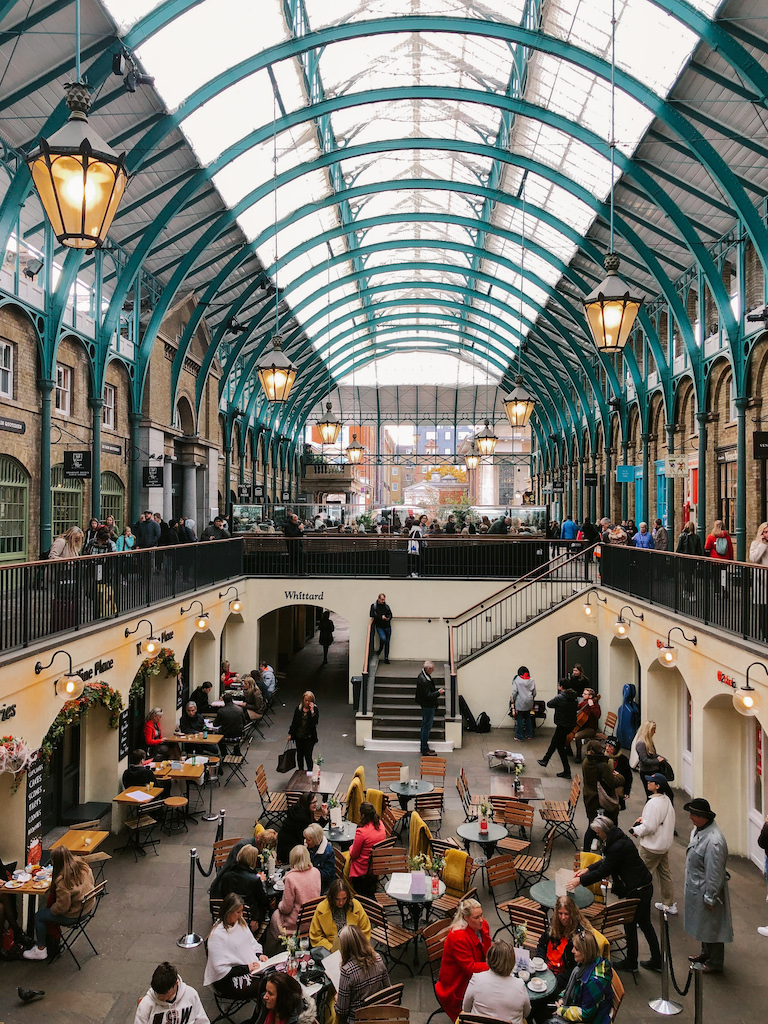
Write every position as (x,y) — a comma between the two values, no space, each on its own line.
(146,909)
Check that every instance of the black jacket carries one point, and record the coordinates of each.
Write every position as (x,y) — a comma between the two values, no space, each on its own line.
(201,698)
(622,861)
(245,883)
(230,721)
(291,832)
(376,612)
(194,724)
(138,775)
(566,706)
(427,694)
(314,718)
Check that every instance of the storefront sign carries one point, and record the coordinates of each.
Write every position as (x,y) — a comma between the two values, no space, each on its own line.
(590,479)
(122,735)
(625,474)
(244,492)
(35,801)
(726,680)
(13,426)
(77,465)
(99,668)
(111,449)
(285,496)
(303,499)
(7,711)
(760,444)
(676,466)
(299,595)
(729,455)
(258,493)
(558,488)
(153,476)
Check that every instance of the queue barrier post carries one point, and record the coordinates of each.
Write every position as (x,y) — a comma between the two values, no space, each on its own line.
(665,1006)
(190,940)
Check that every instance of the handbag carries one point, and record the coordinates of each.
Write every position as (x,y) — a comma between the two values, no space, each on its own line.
(286,762)
(666,770)
(607,801)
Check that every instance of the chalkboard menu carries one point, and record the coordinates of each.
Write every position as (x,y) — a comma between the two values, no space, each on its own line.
(35,801)
(122,735)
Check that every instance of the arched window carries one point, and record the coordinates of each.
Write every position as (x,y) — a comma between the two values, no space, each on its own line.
(66,502)
(14,505)
(112,499)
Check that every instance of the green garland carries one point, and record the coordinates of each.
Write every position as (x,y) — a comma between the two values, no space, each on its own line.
(94,693)
(164,659)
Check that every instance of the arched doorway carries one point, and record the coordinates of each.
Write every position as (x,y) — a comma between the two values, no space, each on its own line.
(667,702)
(66,502)
(14,510)
(623,668)
(288,640)
(112,499)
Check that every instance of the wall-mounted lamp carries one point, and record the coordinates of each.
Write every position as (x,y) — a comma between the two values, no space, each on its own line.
(70,685)
(668,656)
(237,604)
(621,625)
(589,608)
(149,646)
(744,700)
(201,622)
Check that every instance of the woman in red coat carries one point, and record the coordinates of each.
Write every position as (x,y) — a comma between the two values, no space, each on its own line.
(463,955)
(369,832)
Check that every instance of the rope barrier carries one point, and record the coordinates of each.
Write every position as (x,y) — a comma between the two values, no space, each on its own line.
(665,1006)
(665,933)
(190,940)
(219,836)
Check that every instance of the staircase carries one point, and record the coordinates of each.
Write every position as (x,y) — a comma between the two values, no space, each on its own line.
(491,622)
(396,715)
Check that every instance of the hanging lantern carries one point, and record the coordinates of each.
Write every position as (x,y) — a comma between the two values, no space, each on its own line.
(329,427)
(611,310)
(202,623)
(79,178)
(519,405)
(486,440)
(355,451)
(276,372)
(150,646)
(472,459)
(69,686)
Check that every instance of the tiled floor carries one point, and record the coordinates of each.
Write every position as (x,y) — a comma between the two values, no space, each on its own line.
(145,911)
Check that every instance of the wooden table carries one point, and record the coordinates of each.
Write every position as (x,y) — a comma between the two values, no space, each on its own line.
(75,840)
(211,740)
(126,798)
(300,782)
(503,785)
(33,891)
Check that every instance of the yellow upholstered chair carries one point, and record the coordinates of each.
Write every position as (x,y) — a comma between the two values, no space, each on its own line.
(360,774)
(454,872)
(375,797)
(419,837)
(354,799)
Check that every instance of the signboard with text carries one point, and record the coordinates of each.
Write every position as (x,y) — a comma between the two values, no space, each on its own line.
(760,445)
(590,479)
(122,735)
(625,474)
(34,826)
(77,465)
(676,466)
(153,476)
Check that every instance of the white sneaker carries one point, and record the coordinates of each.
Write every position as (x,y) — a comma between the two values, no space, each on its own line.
(671,910)
(763,931)
(35,954)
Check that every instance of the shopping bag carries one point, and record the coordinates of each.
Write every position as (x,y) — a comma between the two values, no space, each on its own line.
(286,762)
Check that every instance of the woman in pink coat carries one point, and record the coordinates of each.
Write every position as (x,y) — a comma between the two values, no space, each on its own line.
(466,945)
(369,832)
(302,883)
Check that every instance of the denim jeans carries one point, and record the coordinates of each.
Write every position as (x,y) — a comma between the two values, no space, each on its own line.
(385,634)
(43,918)
(523,725)
(427,718)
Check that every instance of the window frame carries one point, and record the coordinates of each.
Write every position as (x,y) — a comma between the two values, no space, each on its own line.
(64,389)
(7,346)
(109,410)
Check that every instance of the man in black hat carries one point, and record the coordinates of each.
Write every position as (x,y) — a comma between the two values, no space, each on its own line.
(707,905)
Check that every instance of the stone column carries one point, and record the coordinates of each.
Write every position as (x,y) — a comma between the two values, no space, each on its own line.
(189,491)
(167,490)
(701,498)
(670,428)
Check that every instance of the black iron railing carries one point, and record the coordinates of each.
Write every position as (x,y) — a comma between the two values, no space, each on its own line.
(730,595)
(41,599)
(389,556)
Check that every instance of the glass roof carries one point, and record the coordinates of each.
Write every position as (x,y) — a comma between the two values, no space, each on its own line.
(438,171)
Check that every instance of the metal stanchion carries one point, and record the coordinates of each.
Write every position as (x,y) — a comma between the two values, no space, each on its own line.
(205,872)
(190,940)
(666,1006)
(698,993)
(209,816)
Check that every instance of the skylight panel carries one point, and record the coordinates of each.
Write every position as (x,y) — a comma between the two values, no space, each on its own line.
(322,13)
(308,188)
(207,40)
(470,122)
(128,12)
(439,165)
(563,153)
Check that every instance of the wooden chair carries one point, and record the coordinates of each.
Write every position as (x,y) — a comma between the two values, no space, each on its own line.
(77,926)
(383,1014)
(475,1018)
(392,939)
(214,905)
(433,770)
(434,939)
(341,861)
(532,915)
(222,849)
(235,758)
(97,862)
(390,818)
(274,807)
(470,811)
(517,815)
(596,911)
(618,994)
(390,996)
(306,914)
(141,826)
(558,815)
(384,861)
(447,905)
(503,881)
(86,824)
(617,917)
(611,718)
(430,808)
(441,846)
(388,771)
(532,869)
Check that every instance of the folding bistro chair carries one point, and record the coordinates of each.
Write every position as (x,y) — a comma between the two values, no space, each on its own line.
(222,849)
(558,815)
(235,758)
(392,939)
(502,878)
(430,810)
(384,861)
(532,915)
(432,769)
(519,816)
(388,771)
(78,925)
(141,826)
(274,806)
(383,1014)
(434,939)
(390,996)
(532,869)
(306,914)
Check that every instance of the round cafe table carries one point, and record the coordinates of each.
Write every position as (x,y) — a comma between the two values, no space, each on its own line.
(470,833)
(415,903)
(543,893)
(409,791)
(343,836)
(549,980)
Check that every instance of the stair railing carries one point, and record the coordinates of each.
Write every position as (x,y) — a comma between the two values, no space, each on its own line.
(362,706)
(486,623)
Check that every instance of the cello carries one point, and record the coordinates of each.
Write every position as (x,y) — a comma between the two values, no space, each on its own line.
(583,716)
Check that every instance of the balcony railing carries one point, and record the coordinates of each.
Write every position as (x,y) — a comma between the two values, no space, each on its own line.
(41,599)
(733,596)
(456,557)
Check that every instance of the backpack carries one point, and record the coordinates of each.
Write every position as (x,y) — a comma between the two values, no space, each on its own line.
(483,723)
(721,545)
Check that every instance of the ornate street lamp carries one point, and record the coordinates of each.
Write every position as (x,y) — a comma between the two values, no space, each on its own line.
(276,372)
(355,451)
(519,404)
(486,440)
(329,427)
(611,310)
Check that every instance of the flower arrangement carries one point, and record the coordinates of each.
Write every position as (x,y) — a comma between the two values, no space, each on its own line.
(264,856)
(519,934)
(320,760)
(423,862)
(165,659)
(333,801)
(484,806)
(15,758)
(94,693)
(519,768)
(290,943)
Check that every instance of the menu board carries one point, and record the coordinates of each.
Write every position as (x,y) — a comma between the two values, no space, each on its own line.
(122,735)
(35,801)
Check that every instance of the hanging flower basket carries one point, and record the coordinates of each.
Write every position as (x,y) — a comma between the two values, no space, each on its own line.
(164,660)
(15,755)
(94,693)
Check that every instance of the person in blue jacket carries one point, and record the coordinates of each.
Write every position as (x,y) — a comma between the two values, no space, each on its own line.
(569,529)
(643,537)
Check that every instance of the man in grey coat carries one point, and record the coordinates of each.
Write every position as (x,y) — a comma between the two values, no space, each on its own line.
(707,906)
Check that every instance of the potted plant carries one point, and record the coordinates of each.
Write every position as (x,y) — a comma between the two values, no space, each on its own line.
(335,809)
(319,762)
(484,810)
